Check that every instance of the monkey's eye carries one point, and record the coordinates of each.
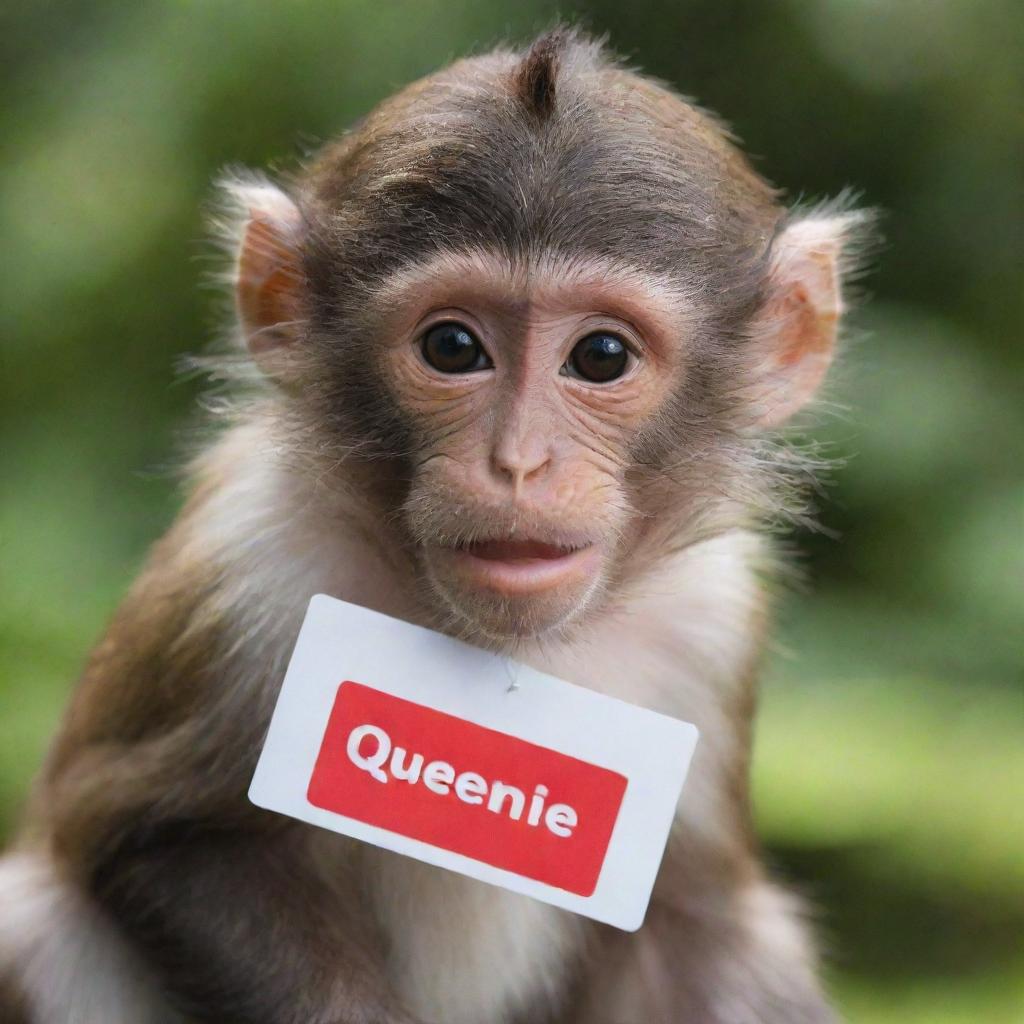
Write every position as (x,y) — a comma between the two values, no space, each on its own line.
(452,348)
(598,357)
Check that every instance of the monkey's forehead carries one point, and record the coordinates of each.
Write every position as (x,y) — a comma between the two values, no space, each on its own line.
(620,168)
(545,287)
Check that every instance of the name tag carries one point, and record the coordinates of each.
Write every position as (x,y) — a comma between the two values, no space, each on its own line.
(407,739)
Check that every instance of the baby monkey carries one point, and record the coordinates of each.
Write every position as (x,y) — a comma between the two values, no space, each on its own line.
(512,356)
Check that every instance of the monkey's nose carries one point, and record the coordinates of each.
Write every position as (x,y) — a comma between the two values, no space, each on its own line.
(519,467)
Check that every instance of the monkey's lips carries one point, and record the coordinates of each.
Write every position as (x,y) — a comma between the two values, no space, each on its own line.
(521,567)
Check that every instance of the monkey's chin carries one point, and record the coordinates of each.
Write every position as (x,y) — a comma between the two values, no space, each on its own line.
(514,598)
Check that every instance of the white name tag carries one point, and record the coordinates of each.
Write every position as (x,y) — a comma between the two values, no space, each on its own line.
(415,742)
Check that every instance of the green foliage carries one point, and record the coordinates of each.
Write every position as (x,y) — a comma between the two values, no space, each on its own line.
(889,772)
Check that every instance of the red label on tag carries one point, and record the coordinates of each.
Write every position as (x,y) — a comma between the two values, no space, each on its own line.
(462,787)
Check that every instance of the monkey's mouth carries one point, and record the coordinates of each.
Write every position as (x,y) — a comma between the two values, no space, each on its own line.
(519,567)
(519,550)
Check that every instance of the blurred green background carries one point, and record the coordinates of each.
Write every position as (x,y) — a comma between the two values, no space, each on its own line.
(890,756)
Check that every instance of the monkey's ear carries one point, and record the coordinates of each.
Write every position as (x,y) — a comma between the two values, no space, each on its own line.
(268,270)
(795,331)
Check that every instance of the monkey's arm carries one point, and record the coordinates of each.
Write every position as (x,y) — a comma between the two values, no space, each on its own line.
(142,808)
(724,952)
(239,929)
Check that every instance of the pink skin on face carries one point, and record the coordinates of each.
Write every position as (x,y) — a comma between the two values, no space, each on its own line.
(522,567)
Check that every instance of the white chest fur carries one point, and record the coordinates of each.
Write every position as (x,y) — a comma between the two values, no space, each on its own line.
(462,951)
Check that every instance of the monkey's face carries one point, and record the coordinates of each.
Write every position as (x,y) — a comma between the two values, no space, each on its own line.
(524,393)
(545,333)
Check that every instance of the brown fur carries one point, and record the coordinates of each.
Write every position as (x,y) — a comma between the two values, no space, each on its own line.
(12,1001)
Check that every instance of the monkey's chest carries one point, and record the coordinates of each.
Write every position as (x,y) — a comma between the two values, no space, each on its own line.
(461,951)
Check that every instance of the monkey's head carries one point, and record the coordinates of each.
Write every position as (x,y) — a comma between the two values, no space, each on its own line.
(547,313)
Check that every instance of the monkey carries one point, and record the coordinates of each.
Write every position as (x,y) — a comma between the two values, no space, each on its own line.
(512,359)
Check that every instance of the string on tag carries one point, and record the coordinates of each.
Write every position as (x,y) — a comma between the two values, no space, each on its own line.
(512,671)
